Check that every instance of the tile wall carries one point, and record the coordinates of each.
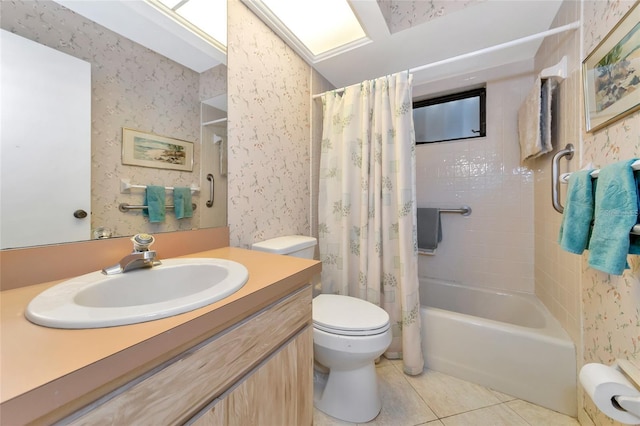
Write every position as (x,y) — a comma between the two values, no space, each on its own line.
(557,275)
(600,311)
(494,246)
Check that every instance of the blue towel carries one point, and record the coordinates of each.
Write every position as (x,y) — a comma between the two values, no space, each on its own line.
(182,202)
(154,199)
(429,228)
(616,211)
(578,213)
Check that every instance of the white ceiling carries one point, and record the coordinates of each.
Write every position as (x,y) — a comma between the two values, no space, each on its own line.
(145,24)
(422,32)
(432,37)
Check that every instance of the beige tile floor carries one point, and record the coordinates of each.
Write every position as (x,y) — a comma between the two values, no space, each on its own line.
(435,399)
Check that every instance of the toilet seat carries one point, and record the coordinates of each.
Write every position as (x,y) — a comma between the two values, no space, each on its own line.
(348,316)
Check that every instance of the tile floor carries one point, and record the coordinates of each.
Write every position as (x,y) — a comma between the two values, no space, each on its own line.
(435,399)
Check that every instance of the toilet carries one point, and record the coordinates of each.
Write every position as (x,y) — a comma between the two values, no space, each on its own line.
(348,335)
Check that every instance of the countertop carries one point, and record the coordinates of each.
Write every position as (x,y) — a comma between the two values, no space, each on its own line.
(53,372)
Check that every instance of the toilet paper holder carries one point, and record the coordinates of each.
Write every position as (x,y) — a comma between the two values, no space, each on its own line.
(632,371)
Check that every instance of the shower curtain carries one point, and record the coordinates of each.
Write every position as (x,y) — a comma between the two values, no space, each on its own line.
(367,205)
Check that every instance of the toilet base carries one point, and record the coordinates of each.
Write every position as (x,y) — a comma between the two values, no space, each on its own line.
(350,395)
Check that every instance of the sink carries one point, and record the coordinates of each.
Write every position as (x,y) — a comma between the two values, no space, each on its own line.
(176,286)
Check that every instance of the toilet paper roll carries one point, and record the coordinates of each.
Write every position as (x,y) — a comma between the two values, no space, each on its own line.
(602,383)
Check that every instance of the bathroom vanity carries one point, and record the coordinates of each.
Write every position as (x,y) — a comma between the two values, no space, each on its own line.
(246,359)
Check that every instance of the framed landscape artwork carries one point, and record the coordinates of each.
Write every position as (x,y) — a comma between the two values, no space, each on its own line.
(159,152)
(611,74)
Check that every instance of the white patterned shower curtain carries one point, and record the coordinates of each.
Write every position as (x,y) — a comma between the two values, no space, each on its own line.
(367,205)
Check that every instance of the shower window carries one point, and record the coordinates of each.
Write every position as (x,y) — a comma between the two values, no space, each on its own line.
(451,117)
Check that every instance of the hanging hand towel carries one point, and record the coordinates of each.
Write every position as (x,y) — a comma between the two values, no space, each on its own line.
(182,202)
(534,121)
(616,211)
(154,199)
(578,213)
(429,229)
(546,99)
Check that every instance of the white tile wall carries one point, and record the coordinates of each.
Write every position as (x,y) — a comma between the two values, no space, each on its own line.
(494,246)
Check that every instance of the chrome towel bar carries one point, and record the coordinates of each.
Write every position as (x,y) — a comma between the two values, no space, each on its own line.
(564,178)
(464,210)
(125,207)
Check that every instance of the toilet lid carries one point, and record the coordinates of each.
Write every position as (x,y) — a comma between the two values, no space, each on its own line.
(348,316)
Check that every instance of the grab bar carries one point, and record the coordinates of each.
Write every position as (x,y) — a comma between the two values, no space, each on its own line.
(555,177)
(211,189)
(464,210)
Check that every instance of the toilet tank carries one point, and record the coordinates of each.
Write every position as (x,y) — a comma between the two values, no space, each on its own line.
(291,245)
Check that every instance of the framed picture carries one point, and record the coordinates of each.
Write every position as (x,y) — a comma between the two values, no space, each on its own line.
(611,74)
(159,152)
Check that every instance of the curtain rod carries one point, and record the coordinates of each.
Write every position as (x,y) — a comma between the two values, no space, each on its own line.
(518,41)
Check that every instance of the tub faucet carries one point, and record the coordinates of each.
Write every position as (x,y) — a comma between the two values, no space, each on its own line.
(140,257)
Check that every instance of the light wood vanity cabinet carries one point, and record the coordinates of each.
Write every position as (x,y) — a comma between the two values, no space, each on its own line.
(278,392)
(258,372)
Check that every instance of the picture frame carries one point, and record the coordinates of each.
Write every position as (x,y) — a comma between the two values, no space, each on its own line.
(611,74)
(159,152)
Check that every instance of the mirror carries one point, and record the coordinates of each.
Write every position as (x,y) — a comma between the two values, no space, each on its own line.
(136,88)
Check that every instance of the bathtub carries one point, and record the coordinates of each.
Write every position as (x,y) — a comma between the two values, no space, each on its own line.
(508,342)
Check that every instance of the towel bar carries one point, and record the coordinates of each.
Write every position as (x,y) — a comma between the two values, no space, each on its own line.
(126,186)
(124,207)
(564,178)
(464,210)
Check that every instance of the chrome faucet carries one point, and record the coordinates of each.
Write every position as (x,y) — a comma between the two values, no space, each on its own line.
(140,257)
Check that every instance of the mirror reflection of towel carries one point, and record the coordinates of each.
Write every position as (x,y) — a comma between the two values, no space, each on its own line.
(154,199)
(182,202)
(429,228)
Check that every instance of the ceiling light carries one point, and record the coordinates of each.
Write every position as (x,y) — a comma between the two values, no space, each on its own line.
(321,25)
(208,18)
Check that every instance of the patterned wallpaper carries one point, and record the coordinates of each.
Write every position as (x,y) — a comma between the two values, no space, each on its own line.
(611,304)
(131,87)
(402,14)
(268,132)
(600,311)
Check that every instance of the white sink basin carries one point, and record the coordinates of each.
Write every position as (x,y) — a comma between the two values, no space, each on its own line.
(176,286)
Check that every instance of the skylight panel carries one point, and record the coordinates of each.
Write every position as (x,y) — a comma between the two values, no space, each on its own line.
(321,25)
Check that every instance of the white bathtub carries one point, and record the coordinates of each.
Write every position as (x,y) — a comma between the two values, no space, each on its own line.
(508,342)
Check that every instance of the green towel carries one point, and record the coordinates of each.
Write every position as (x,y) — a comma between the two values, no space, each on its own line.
(154,199)
(182,202)
(578,213)
(615,213)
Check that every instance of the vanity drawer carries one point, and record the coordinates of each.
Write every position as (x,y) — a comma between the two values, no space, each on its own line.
(182,388)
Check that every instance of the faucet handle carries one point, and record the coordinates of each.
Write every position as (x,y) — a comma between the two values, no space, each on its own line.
(142,242)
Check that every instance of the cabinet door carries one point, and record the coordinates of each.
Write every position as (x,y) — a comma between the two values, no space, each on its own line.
(214,416)
(278,392)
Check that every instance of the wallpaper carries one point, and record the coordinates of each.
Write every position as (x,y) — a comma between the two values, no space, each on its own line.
(401,14)
(611,304)
(132,87)
(268,132)
(601,312)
